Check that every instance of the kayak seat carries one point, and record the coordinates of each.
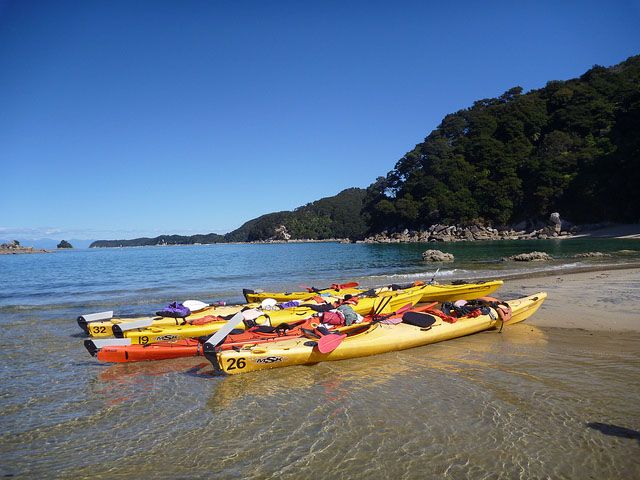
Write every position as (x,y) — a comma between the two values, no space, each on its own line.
(417,319)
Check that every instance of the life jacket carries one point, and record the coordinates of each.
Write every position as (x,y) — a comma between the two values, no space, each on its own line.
(174,310)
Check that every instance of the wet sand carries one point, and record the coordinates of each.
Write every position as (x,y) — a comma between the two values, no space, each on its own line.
(596,300)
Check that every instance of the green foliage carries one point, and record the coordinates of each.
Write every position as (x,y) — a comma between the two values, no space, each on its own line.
(64,244)
(572,146)
(161,240)
(331,217)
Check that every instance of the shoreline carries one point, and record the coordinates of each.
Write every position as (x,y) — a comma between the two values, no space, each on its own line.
(23,251)
(622,231)
(594,299)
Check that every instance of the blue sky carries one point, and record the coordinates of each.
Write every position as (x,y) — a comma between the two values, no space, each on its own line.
(120,119)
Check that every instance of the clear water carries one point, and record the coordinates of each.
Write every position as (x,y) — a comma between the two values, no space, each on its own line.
(526,403)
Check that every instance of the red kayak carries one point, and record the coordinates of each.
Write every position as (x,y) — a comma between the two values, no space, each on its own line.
(191,347)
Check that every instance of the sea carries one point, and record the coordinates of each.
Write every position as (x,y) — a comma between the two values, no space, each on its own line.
(529,403)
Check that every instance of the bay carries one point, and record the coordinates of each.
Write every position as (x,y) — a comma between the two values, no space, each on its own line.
(526,403)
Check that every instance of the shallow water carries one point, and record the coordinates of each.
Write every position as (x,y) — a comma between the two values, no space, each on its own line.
(515,404)
(524,403)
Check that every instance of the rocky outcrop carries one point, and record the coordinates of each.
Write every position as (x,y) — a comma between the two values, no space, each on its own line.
(437,256)
(64,244)
(14,248)
(281,233)
(453,233)
(591,255)
(529,257)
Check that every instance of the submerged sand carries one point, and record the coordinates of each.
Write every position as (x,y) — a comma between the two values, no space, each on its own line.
(598,300)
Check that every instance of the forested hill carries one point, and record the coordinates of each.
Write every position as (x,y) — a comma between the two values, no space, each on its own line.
(572,146)
(331,217)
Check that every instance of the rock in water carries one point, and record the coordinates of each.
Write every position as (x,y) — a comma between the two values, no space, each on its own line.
(529,257)
(437,256)
(591,254)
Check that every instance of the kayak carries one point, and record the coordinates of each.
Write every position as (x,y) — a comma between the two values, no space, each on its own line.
(335,289)
(367,339)
(431,292)
(382,303)
(191,347)
(436,292)
(103,328)
(186,347)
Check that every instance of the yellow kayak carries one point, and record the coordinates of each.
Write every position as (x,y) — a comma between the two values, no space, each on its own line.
(431,293)
(381,303)
(367,339)
(336,289)
(100,329)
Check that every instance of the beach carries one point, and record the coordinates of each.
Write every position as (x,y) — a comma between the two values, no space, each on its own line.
(597,300)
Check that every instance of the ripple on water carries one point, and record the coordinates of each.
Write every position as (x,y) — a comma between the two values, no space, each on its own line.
(509,405)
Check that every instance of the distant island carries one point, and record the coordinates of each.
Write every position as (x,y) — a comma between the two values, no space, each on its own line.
(14,248)
(64,244)
(504,164)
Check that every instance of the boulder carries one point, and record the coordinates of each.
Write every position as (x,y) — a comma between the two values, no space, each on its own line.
(437,256)
(591,254)
(529,257)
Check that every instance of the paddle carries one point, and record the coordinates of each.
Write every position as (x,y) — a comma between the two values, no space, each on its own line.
(124,326)
(328,343)
(197,305)
(96,317)
(433,279)
(334,286)
(387,319)
(209,347)
(218,337)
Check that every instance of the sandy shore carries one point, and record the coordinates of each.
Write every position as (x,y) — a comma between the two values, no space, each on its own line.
(597,300)
(627,230)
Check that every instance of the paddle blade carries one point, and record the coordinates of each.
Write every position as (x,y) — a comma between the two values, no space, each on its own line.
(221,334)
(124,326)
(251,314)
(406,308)
(195,305)
(392,321)
(329,343)
(96,317)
